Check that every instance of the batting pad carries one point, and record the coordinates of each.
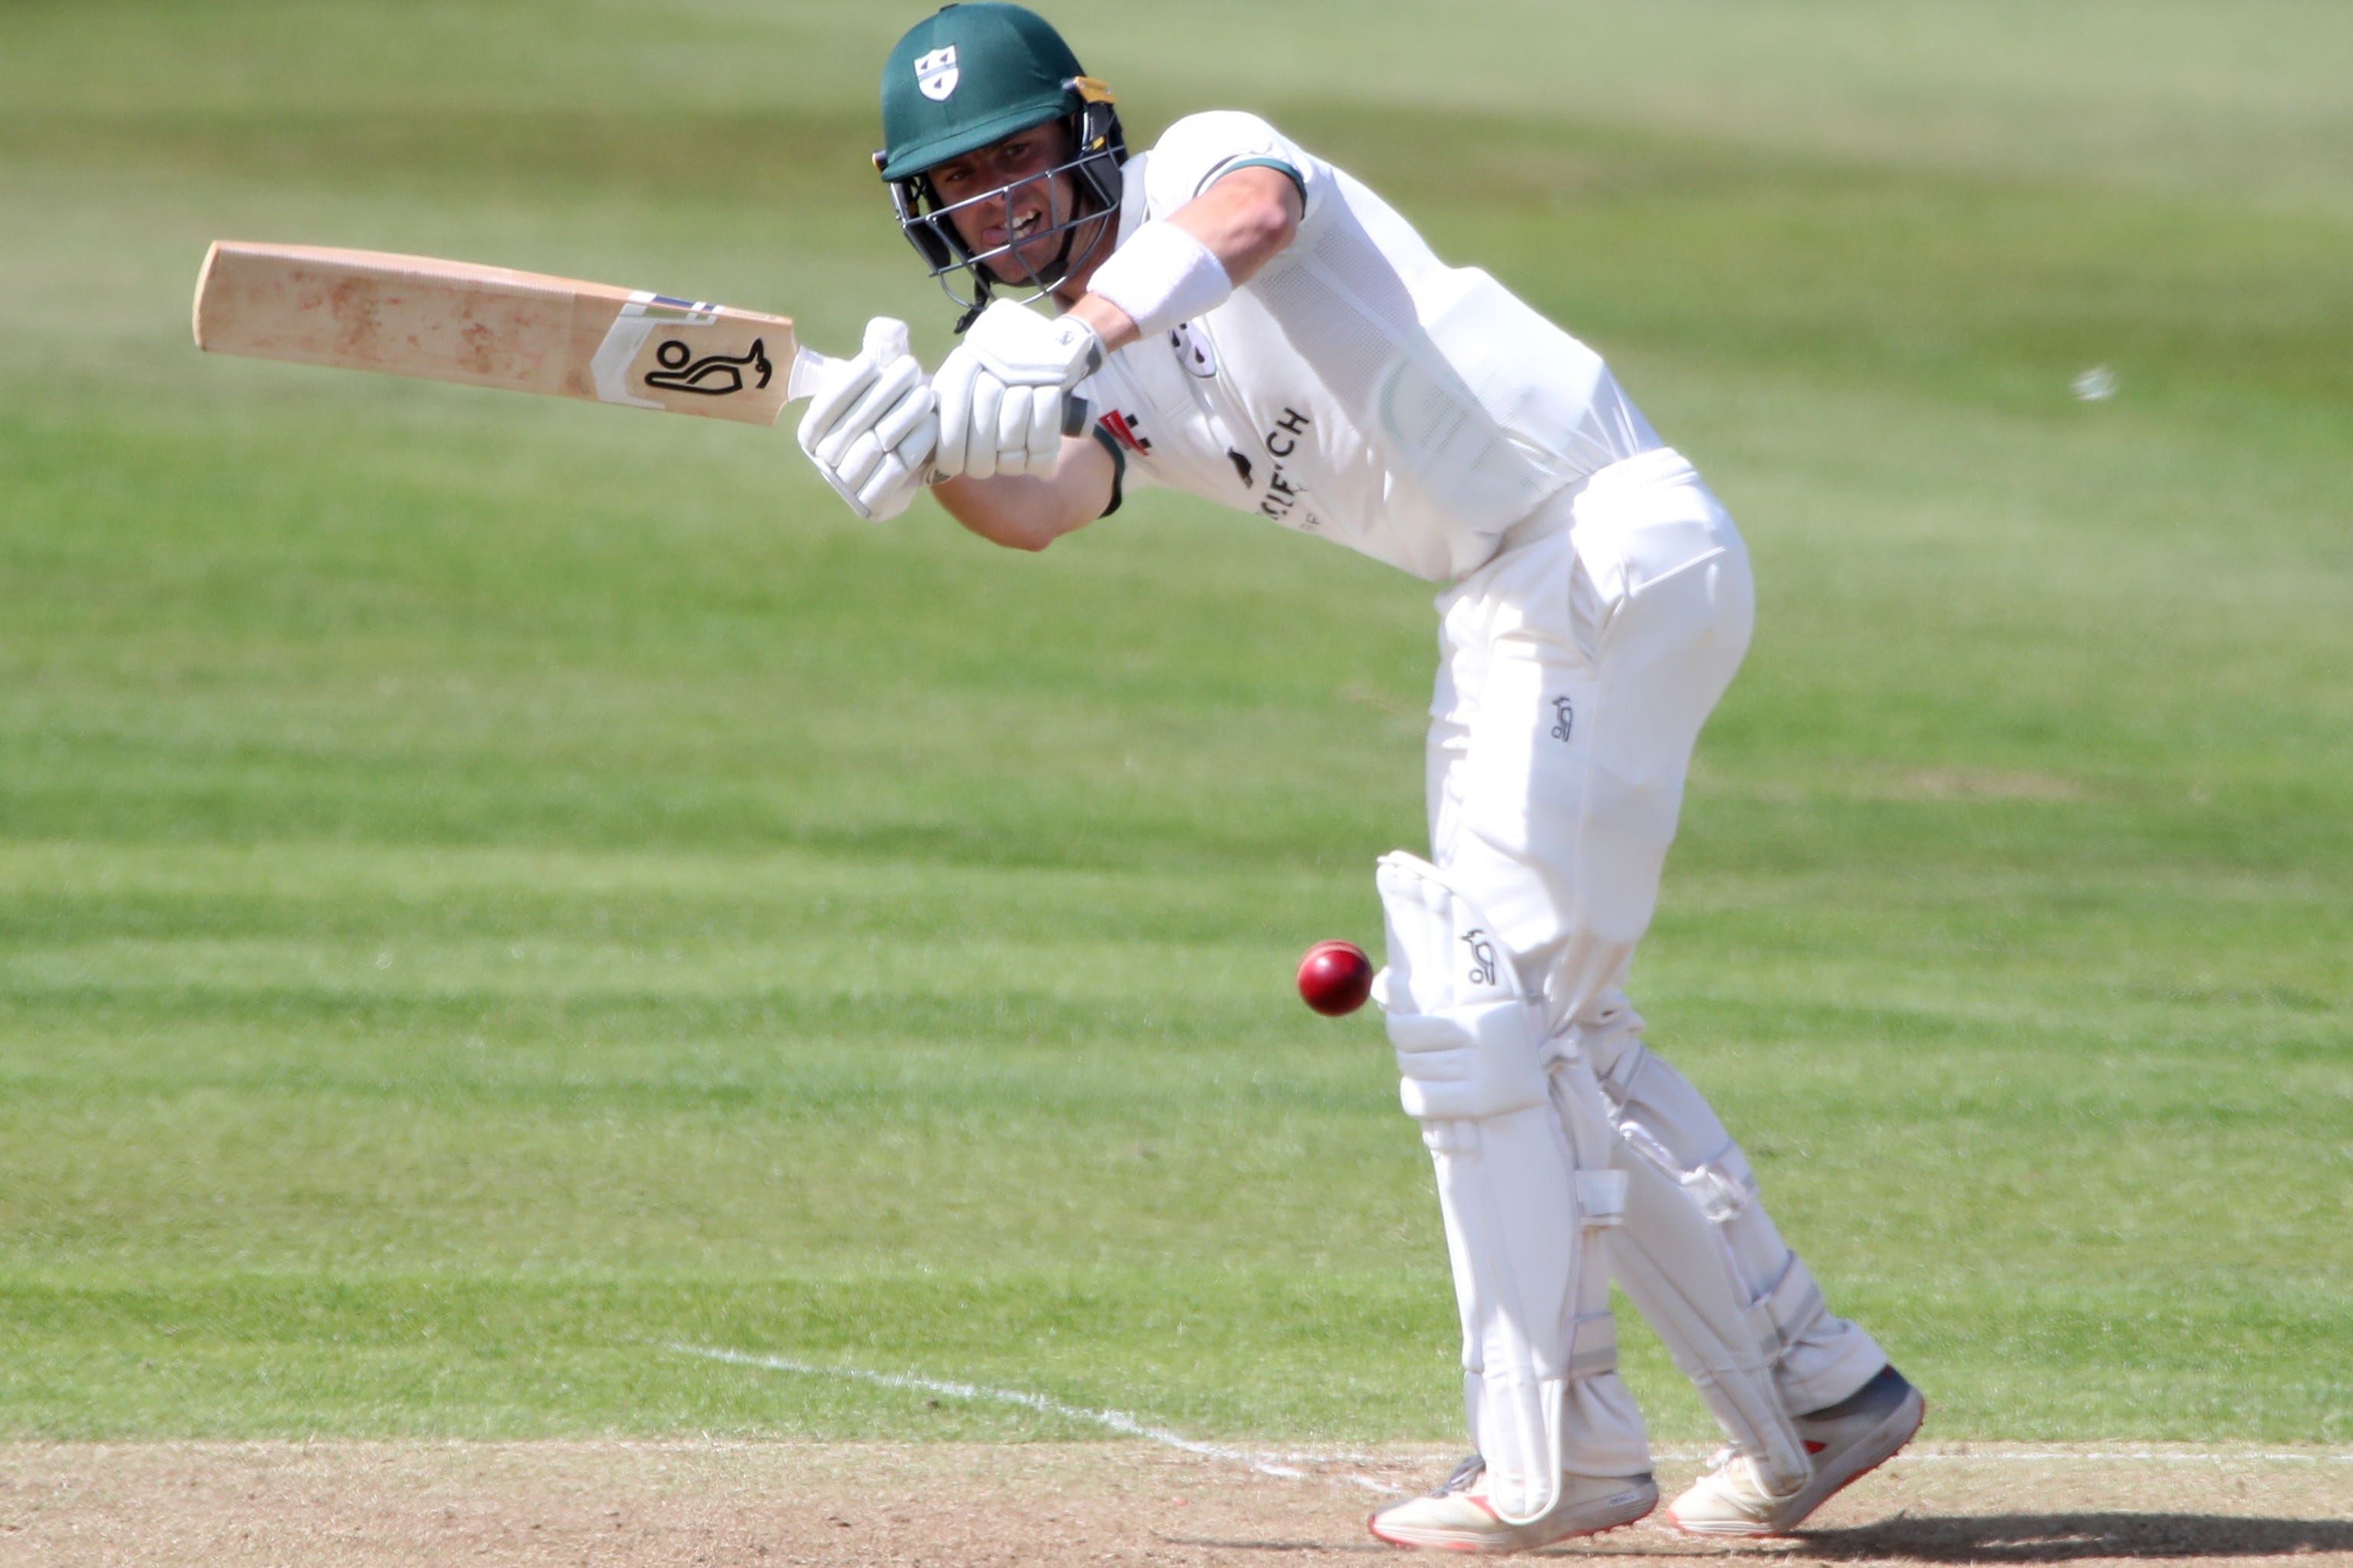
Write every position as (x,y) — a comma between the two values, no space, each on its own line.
(1674,1268)
(1470,1049)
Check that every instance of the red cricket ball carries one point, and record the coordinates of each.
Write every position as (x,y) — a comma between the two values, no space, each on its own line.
(1334,978)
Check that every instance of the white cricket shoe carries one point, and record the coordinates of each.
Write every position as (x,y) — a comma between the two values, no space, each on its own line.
(1457,1518)
(1857,1435)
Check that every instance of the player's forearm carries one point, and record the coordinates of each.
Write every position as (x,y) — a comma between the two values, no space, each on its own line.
(1030,511)
(1114,326)
(1243,221)
(1246,219)
(1008,509)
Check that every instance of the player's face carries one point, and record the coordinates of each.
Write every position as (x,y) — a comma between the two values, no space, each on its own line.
(1021,196)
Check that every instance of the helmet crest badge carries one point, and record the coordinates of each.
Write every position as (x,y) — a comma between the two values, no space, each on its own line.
(936,73)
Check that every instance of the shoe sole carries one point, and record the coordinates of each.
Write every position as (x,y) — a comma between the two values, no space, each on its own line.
(1500,1547)
(1863,1459)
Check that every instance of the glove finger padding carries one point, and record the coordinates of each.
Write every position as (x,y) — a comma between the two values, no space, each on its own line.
(1046,409)
(859,460)
(841,388)
(893,382)
(952,387)
(911,415)
(981,425)
(870,424)
(891,490)
(1013,430)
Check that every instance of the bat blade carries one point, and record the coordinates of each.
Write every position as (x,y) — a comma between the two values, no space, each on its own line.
(490,326)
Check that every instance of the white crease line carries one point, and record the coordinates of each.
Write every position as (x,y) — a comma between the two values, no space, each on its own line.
(1113,1420)
(1283,1464)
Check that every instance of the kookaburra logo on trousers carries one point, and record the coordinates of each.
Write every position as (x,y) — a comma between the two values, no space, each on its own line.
(1483,957)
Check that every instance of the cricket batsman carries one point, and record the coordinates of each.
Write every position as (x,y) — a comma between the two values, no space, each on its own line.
(1249,323)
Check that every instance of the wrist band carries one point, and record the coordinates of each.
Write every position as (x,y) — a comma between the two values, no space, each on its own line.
(1162,278)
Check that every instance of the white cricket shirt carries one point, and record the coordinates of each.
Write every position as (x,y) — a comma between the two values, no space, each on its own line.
(1357,387)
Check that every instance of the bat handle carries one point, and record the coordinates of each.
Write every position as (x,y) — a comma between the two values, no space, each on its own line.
(809,369)
(1076,417)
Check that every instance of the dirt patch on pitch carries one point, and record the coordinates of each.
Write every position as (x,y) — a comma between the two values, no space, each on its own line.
(652,1505)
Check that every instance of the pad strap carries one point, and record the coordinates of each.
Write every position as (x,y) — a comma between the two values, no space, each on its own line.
(1601,1199)
(1786,1312)
(1593,1345)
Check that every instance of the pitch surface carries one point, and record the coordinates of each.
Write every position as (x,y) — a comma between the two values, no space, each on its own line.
(649,1505)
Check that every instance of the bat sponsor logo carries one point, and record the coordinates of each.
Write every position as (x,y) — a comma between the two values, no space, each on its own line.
(713,376)
(936,73)
(1565,716)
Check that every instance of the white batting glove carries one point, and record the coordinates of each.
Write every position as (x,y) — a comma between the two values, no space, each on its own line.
(873,424)
(1003,391)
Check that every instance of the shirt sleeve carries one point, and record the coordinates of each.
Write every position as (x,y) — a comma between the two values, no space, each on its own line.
(1108,392)
(1118,469)
(1200,149)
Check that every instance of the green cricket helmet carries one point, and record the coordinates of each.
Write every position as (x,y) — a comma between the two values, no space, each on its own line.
(973,75)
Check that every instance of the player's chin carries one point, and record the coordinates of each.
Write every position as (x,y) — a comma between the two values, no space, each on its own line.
(1026,264)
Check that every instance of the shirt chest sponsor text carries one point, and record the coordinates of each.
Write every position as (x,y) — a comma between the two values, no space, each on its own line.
(1281,496)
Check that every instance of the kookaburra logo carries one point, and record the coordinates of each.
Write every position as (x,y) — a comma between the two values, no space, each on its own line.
(936,73)
(1565,718)
(1483,957)
(713,376)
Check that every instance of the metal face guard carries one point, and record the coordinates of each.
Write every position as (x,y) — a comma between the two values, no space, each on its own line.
(930,226)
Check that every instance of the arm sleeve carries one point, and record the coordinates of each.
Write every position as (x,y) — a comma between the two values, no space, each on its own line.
(1200,149)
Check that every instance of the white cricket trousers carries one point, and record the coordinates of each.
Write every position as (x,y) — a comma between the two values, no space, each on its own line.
(1576,672)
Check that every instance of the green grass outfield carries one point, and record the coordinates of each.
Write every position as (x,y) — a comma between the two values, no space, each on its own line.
(492,888)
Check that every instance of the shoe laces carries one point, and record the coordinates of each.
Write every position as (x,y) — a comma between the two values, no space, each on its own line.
(1743,1469)
(1463,1477)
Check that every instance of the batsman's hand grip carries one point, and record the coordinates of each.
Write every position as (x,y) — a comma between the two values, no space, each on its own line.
(810,366)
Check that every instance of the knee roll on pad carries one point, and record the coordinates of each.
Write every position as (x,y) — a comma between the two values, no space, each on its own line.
(1720,1181)
(1468,1063)
(1677,1265)
(1721,1187)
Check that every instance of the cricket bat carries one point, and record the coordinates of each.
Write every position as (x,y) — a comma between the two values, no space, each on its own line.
(490,326)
